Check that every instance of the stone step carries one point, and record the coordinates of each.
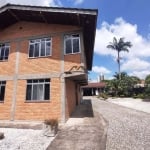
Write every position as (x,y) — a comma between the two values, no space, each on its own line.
(36,125)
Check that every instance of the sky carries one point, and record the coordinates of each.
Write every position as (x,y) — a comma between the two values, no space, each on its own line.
(116,18)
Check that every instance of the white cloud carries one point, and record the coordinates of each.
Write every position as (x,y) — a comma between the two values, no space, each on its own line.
(100,70)
(121,28)
(76,2)
(3,2)
(136,59)
(135,64)
(33,2)
(140,74)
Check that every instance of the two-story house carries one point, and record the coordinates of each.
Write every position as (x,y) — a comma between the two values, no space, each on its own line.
(45,53)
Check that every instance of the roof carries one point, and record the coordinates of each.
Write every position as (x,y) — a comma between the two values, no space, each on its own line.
(95,85)
(84,18)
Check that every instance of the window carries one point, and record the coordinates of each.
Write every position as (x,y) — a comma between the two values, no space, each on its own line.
(38,89)
(40,47)
(4,51)
(72,44)
(2,90)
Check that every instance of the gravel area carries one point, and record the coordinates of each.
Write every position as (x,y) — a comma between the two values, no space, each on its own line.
(137,104)
(128,129)
(24,139)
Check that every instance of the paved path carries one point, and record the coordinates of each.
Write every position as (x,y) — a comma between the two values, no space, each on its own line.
(128,129)
(85,130)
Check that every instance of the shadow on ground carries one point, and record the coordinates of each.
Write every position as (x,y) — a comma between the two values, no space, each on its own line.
(85,109)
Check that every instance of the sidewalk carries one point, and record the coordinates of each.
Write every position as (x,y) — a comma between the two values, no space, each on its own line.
(85,130)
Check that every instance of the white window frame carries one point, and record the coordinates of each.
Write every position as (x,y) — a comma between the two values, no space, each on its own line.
(5,46)
(39,41)
(32,83)
(72,38)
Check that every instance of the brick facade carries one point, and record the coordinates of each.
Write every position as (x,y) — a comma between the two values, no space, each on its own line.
(42,81)
(18,35)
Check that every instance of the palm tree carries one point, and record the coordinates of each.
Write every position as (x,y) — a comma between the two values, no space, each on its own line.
(118,76)
(119,46)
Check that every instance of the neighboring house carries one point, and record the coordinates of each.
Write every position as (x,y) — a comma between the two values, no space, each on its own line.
(45,53)
(141,84)
(93,89)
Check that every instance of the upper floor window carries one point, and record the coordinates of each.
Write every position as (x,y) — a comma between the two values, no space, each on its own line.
(4,51)
(2,90)
(72,44)
(40,47)
(38,89)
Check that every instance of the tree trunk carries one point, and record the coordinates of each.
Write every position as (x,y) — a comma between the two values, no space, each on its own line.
(119,65)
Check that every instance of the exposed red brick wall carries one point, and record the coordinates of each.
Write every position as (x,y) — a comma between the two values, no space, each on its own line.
(40,65)
(6,106)
(72,60)
(51,64)
(38,111)
(8,67)
(25,29)
(70,97)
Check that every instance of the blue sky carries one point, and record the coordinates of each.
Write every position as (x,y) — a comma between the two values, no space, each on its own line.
(119,18)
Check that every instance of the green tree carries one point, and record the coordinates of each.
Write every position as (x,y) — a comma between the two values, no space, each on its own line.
(122,86)
(135,80)
(147,89)
(147,80)
(119,45)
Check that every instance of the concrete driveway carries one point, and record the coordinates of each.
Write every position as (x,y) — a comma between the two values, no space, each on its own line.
(85,130)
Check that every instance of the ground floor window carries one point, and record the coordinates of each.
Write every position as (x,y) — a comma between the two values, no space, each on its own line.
(2,90)
(38,89)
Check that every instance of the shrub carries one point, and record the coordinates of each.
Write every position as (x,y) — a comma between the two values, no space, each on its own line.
(1,135)
(51,122)
(103,95)
(142,95)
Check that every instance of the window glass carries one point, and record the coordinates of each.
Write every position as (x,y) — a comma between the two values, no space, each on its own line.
(2,90)
(40,47)
(75,35)
(35,81)
(47,80)
(48,39)
(3,82)
(47,92)
(48,46)
(75,45)
(72,44)
(31,51)
(40,92)
(28,92)
(29,81)
(68,46)
(4,51)
(38,89)
(36,53)
(35,92)
(41,80)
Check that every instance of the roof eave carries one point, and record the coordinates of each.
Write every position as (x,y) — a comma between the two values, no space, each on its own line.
(85,15)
